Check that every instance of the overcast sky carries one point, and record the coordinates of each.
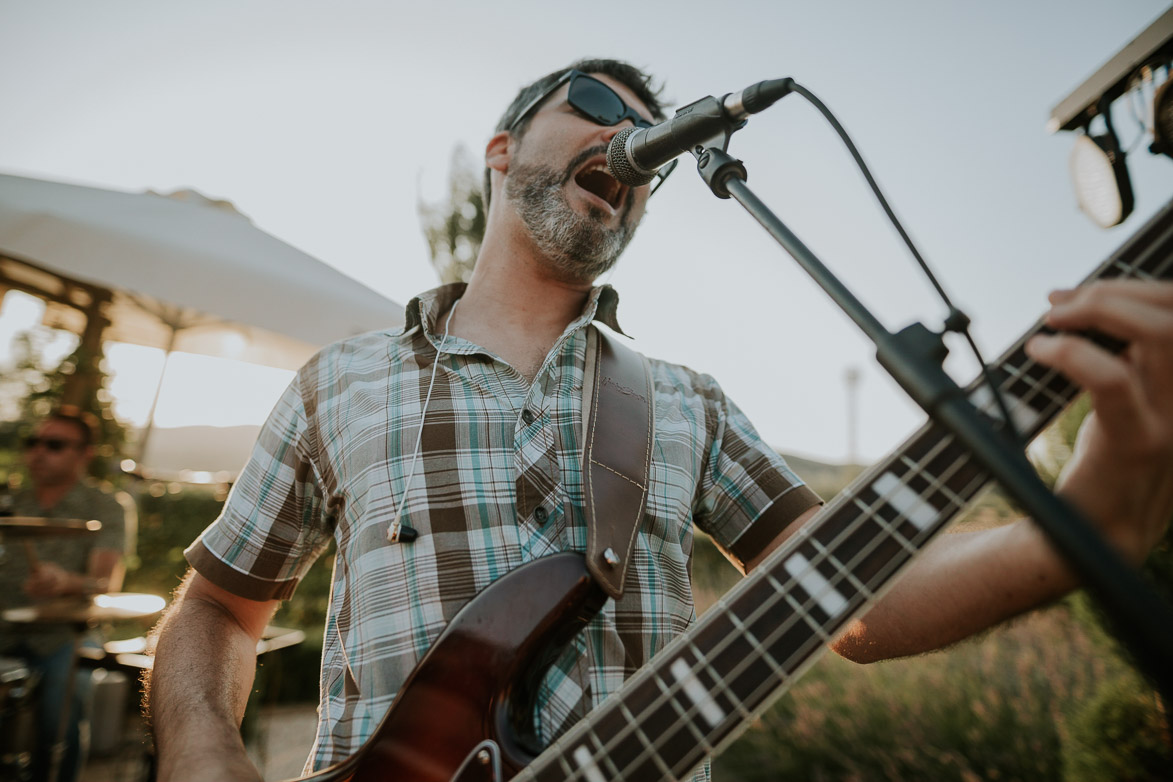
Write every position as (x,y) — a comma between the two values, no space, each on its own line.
(326,122)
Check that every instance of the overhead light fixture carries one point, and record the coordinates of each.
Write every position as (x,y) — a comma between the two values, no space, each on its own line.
(1097,162)
(1100,178)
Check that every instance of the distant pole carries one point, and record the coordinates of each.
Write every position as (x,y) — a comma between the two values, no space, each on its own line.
(851,377)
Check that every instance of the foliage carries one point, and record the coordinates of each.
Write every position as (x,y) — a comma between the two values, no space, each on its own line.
(172,516)
(994,708)
(31,390)
(1119,735)
(455,226)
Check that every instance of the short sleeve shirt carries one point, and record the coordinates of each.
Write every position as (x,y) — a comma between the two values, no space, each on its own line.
(72,552)
(497,483)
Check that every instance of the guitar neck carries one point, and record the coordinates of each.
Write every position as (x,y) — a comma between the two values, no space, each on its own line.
(703,689)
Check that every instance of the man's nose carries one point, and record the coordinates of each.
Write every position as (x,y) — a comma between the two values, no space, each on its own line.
(610,131)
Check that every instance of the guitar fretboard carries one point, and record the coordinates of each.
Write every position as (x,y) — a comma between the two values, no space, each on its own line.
(703,689)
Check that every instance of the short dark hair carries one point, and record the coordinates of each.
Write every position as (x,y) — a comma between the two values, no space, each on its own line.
(85,423)
(626,74)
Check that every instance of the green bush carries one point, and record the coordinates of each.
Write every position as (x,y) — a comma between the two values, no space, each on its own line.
(171,516)
(994,708)
(1119,735)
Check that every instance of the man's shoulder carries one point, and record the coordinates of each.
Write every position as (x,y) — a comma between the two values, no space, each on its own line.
(357,353)
(670,377)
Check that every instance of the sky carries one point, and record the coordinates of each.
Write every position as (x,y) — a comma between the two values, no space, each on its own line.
(326,123)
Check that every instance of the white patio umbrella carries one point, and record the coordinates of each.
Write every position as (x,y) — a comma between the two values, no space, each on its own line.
(178,272)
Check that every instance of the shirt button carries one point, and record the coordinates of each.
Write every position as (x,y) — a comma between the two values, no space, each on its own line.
(527,416)
(540,515)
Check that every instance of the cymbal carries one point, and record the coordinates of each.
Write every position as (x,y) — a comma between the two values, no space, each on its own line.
(36,527)
(98,608)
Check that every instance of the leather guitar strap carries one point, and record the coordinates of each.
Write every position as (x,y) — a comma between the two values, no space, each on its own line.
(617,414)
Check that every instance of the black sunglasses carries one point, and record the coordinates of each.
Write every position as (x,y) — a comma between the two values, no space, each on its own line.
(52,444)
(598,103)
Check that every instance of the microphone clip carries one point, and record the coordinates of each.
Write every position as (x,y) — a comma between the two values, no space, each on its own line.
(717,167)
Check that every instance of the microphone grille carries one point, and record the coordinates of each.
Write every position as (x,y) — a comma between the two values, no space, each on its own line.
(619,164)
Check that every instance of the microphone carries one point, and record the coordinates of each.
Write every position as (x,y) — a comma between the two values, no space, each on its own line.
(635,154)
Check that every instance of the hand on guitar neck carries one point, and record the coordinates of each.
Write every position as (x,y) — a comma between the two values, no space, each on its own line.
(1121,477)
(1121,473)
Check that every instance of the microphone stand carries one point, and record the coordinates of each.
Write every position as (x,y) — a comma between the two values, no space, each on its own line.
(914,357)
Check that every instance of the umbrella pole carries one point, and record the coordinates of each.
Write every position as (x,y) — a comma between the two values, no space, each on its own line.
(150,424)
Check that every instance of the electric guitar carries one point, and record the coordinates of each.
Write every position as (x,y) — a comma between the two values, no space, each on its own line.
(463,713)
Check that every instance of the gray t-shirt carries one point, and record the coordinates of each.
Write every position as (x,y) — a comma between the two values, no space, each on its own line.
(72,552)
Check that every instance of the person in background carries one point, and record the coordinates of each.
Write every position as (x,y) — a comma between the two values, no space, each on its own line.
(50,567)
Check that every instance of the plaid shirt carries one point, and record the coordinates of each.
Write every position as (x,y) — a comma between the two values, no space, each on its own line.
(498,484)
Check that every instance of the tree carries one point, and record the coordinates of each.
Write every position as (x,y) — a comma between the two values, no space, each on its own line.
(455,226)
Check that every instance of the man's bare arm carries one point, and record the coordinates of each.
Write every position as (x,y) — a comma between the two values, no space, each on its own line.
(205,660)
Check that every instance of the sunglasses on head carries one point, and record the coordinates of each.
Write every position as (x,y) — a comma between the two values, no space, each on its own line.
(597,102)
(52,444)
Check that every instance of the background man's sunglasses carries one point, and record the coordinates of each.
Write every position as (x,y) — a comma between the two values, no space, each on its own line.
(598,103)
(52,444)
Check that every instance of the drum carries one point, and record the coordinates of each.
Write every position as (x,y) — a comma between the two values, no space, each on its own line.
(18,719)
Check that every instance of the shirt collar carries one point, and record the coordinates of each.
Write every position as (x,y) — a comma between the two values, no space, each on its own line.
(425,309)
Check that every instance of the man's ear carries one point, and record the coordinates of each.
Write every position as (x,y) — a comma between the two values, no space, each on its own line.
(498,151)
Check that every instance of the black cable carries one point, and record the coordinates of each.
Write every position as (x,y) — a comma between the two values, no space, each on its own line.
(956,320)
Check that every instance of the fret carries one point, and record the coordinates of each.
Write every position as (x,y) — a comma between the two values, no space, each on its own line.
(1048,383)
(803,612)
(588,768)
(692,700)
(631,748)
(764,653)
(680,739)
(817,587)
(845,570)
(684,740)
(1129,271)
(649,747)
(728,699)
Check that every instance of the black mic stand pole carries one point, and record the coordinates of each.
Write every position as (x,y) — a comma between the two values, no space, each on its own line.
(914,356)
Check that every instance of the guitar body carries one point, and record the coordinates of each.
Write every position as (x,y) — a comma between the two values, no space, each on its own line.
(465,713)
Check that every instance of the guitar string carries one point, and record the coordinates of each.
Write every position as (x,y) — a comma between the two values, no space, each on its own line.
(1036,388)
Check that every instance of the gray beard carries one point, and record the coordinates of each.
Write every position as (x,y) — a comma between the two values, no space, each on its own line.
(578,247)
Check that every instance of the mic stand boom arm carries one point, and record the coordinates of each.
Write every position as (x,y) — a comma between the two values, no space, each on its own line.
(914,357)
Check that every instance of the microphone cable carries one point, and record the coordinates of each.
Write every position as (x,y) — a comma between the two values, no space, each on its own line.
(956,321)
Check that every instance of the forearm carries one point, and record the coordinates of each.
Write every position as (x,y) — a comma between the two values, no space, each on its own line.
(962,584)
(203,673)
